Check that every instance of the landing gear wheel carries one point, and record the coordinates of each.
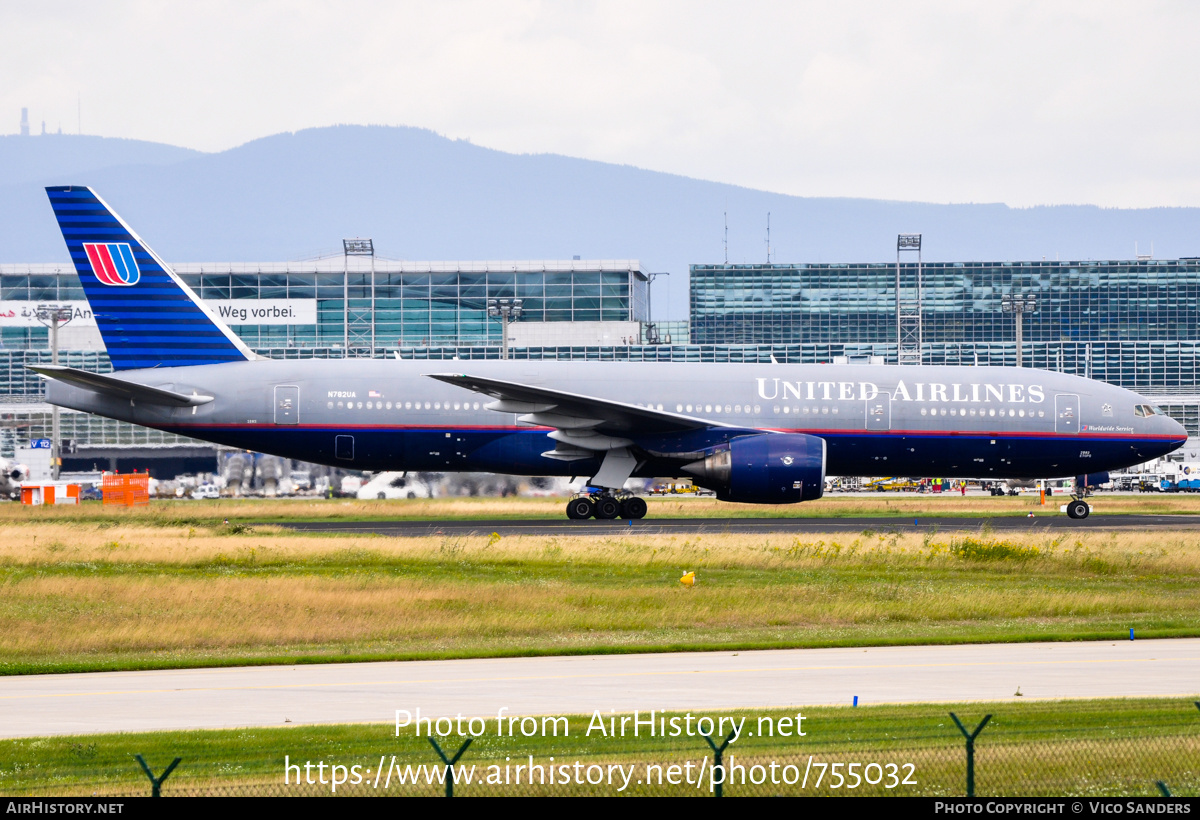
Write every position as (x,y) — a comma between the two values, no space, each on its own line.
(607,507)
(633,508)
(1078,509)
(579,509)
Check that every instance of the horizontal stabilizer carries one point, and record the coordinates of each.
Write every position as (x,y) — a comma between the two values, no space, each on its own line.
(114,386)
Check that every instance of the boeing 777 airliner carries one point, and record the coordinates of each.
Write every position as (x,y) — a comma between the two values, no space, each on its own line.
(753,433)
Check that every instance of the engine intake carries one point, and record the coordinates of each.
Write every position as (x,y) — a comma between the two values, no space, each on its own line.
(770,468)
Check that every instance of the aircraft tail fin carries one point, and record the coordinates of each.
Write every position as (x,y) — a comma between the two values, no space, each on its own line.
(147,316)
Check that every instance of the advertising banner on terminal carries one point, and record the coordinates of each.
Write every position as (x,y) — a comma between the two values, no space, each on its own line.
(24,314)
(265,311)
(230,311)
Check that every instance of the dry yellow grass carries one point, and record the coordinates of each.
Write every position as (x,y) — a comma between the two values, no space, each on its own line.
(59,543)
(77,593)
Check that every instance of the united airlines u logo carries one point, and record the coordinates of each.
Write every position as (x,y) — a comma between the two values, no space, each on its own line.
(112,262)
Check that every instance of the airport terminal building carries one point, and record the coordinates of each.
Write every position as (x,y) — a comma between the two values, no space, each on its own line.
(1131,323)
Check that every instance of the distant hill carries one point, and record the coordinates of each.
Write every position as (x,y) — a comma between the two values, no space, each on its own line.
(422,196)
(34,159)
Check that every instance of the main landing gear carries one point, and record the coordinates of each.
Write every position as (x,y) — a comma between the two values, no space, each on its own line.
(606,506)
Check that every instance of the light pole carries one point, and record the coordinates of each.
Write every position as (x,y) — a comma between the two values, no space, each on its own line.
(1018,305)
(356,247)
(651,327)
(506,309)
(52,316)
(909,319)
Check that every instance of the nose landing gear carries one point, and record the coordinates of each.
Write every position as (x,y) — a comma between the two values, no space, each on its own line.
(606,506)
(1077,507)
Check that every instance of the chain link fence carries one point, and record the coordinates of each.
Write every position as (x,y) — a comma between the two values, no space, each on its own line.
(1128,758)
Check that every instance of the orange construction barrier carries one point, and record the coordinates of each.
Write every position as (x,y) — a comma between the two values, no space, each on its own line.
(49,494)
(126,490)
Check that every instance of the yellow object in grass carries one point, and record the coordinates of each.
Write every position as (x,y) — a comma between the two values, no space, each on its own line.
(688,579)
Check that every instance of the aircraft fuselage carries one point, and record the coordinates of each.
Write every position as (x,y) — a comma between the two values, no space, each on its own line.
(371,414)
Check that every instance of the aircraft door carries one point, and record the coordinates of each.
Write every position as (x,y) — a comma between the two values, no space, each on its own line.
(343,447)
(1066,413)
(879,412)
(287,405)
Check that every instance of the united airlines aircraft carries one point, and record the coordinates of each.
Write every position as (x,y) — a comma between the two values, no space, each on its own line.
(753,433)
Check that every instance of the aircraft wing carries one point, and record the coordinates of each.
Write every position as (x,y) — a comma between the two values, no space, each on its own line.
(117,387)
(584,425)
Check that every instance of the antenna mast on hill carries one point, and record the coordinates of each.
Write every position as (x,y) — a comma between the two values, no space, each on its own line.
(768,237)
(727,237)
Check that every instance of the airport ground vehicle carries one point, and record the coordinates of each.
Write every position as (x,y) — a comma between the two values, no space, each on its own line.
(678,488)
(206,491)
(891,484)
(392,485)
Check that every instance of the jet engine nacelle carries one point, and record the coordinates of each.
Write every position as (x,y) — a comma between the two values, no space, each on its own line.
(769,468)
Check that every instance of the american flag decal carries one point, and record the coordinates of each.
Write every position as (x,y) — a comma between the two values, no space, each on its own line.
(112,262)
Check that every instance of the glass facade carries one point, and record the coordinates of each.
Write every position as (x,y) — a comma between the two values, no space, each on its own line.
(404,304)
(399,304)
(1144,300)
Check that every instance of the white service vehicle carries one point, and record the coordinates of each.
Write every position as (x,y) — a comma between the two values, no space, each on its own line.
(206,491)
(393,485)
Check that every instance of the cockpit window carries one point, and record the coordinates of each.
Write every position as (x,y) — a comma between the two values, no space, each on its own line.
(1139,410)
(1144,410)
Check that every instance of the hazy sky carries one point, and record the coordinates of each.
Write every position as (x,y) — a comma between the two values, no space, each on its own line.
(1021,102)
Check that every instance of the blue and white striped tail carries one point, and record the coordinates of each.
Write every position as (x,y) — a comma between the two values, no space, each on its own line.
(147,316)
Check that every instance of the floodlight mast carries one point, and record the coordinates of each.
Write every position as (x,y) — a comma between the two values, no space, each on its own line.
(506,310)
(53,316)
(651,327)
(908,310)
(1018,305)
(356,247)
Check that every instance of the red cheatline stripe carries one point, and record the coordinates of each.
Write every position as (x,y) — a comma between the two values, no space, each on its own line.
(1062,437)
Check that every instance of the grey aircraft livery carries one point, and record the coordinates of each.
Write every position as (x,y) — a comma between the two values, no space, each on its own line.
(753,433)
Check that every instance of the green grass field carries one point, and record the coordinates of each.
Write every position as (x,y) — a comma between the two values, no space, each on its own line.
(1062,748)
(89,595)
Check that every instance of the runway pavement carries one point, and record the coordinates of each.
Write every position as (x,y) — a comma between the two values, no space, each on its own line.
(672,526)
(372,692)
